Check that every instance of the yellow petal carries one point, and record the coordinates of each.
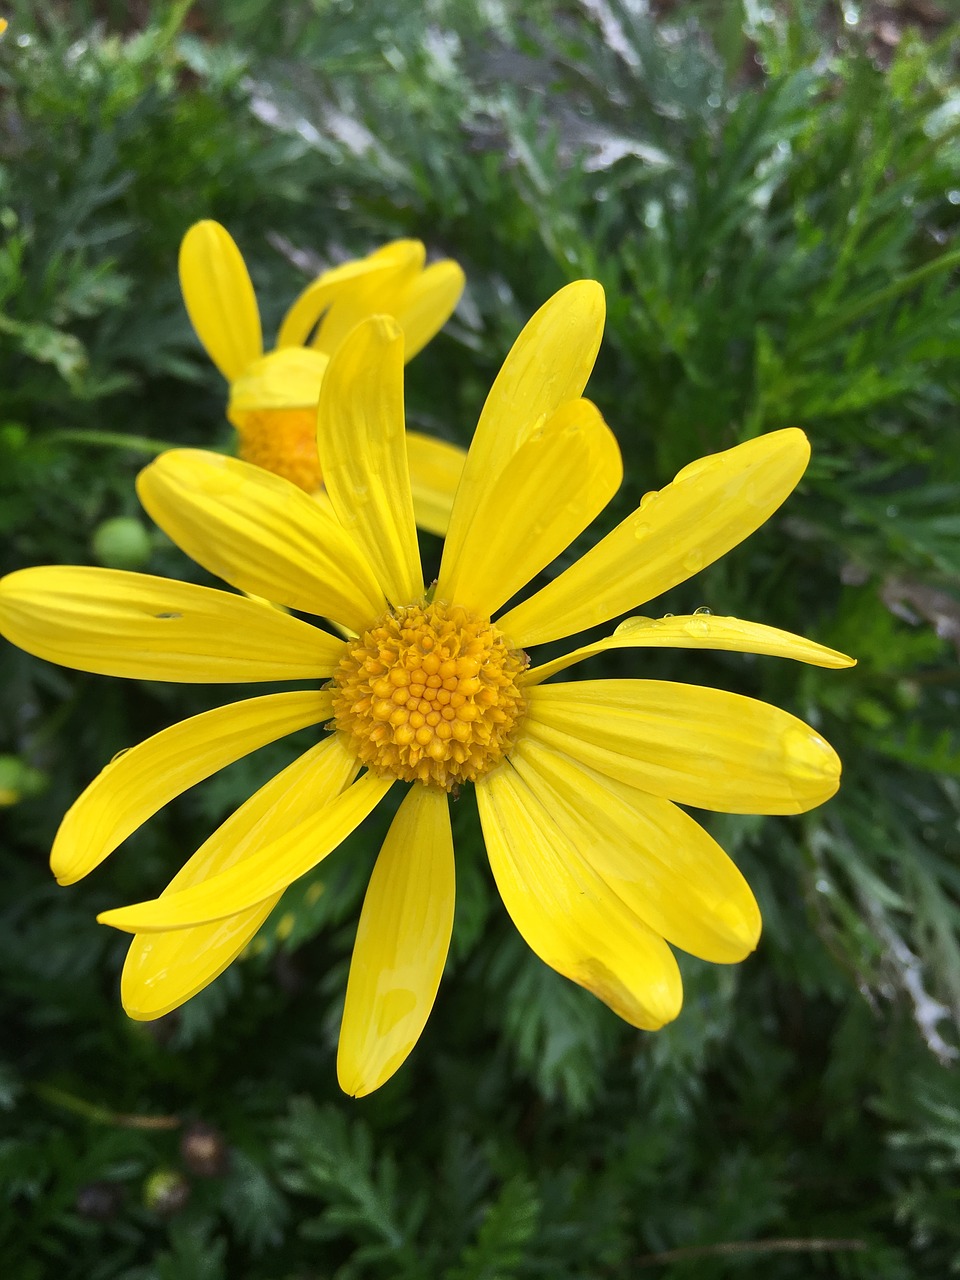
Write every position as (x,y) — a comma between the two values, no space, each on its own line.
(548,364)
(274,865)
(402,943)
(163,970)
(566,914)
(376,294)
(363,455)
(319,296)
(219,298)
(699,631)
(427,303)
(698,746)
(712,505)
(287,379)
(435,468)
(261,534)
(548,492)
(117,623)
(661,863)
(143,779)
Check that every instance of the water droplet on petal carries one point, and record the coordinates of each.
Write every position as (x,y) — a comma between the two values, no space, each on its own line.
(702,611)
(640,529)
(648,498)
(693,560)
(701,466)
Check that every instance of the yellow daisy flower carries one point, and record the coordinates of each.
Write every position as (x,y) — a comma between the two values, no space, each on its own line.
(273,396)
(578,783)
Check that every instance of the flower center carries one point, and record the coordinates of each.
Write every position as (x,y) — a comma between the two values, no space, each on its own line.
(283,441)
(429,694)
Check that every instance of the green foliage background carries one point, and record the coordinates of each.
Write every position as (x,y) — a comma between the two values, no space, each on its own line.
(770,196)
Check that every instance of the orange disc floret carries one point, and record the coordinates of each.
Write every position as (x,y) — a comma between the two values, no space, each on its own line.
(284,441)
(429,694)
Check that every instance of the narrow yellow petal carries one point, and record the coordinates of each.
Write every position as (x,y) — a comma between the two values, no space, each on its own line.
(698,746)
(548,492)
(140,781)
(376,294)
(661,863)
(427,303)
(566,914)
(163,970)
(712,505)
(269,869)
(698,631)
(548,364)
(435,469)
(219,298)
(402,943)
(261,534)
(308,308)
(117,623)
(363,455)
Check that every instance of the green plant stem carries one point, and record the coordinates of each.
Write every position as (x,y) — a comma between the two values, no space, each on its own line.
(102,1115)
(733,1247)
(113,440)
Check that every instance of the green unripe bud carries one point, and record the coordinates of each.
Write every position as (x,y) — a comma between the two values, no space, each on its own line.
(19,780)
(122,543)
(166,1192)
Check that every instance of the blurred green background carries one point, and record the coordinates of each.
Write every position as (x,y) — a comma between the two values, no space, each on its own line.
(770,195)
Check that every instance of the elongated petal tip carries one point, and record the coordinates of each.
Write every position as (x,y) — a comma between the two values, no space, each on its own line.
(113,919)
(588,294)
(219,298)
(812,769)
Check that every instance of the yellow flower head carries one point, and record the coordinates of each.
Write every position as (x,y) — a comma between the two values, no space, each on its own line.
(578,783)
(273,396)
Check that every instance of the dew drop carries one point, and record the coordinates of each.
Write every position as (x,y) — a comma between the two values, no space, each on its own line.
(953,197)
(640,529)
(702,612)
(697,627)
(647,499)
(699,467)
(693,560)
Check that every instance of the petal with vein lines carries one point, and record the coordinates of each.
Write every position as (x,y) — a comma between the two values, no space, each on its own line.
(140,781)
(261,534)
(566,914)
(711,506)
(698,746)
(219,298)
(162,970)
(548,364)
(698,631)
(363,454)
(117,623)
(401,945)
(547,494)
